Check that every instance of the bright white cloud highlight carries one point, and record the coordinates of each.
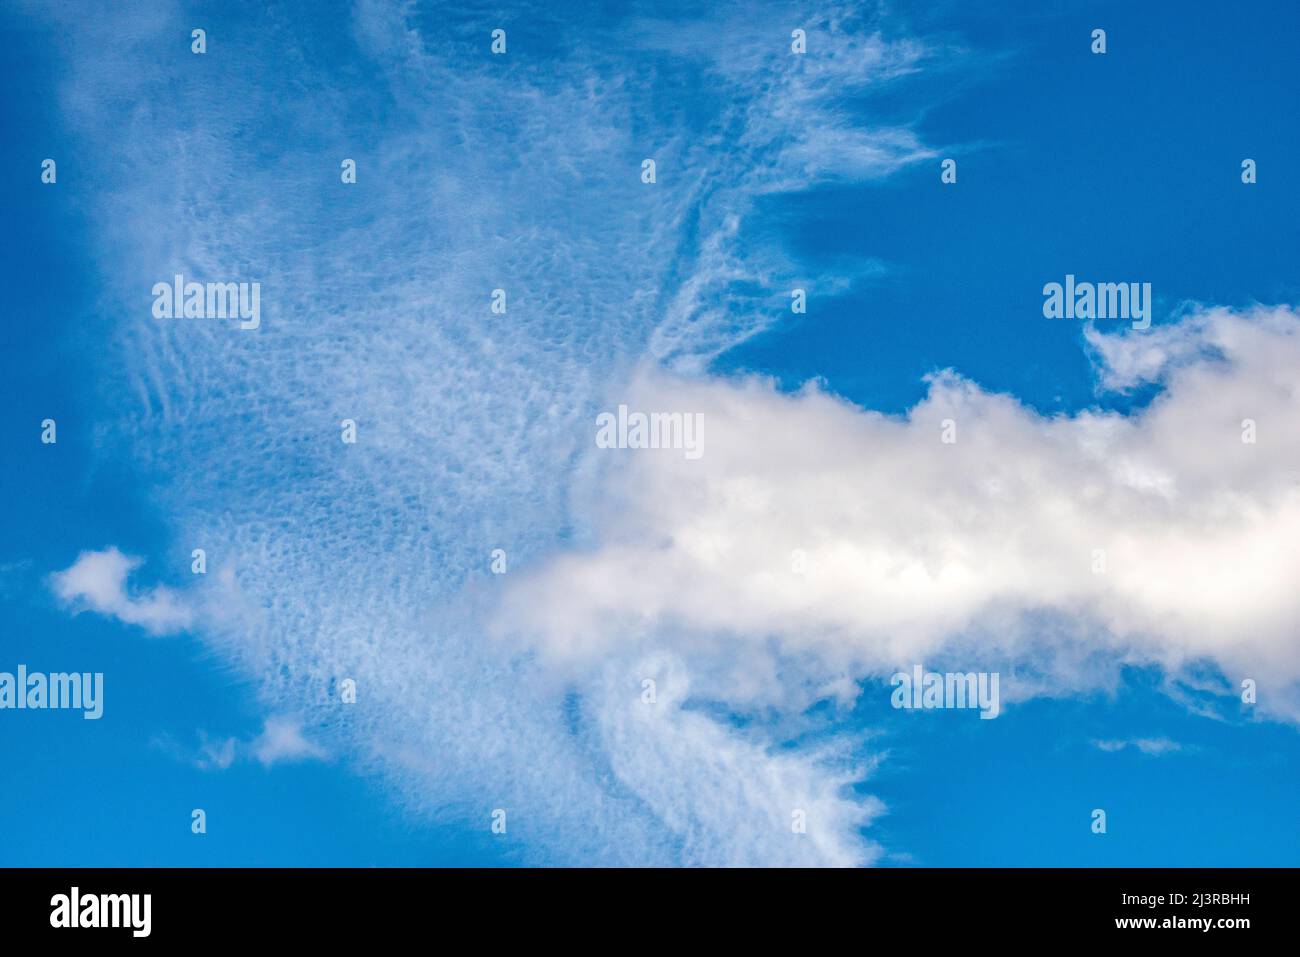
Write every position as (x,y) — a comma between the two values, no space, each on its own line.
(1061,544)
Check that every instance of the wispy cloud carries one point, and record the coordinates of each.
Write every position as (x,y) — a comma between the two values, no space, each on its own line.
(219,754)
(282,740)
(1151,746)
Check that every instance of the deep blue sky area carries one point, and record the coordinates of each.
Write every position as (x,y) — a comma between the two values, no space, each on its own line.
(1117,167)
(1122,167)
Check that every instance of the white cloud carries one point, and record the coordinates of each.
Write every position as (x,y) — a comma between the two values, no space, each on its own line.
(282,740)
(728,801)
(980,551)
(98,581)
(370,561)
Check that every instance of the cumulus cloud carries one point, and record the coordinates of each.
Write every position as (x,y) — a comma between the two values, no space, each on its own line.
(815,531)
(282,740)
(97,581)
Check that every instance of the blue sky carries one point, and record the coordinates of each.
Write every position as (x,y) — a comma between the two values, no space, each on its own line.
(521,171)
